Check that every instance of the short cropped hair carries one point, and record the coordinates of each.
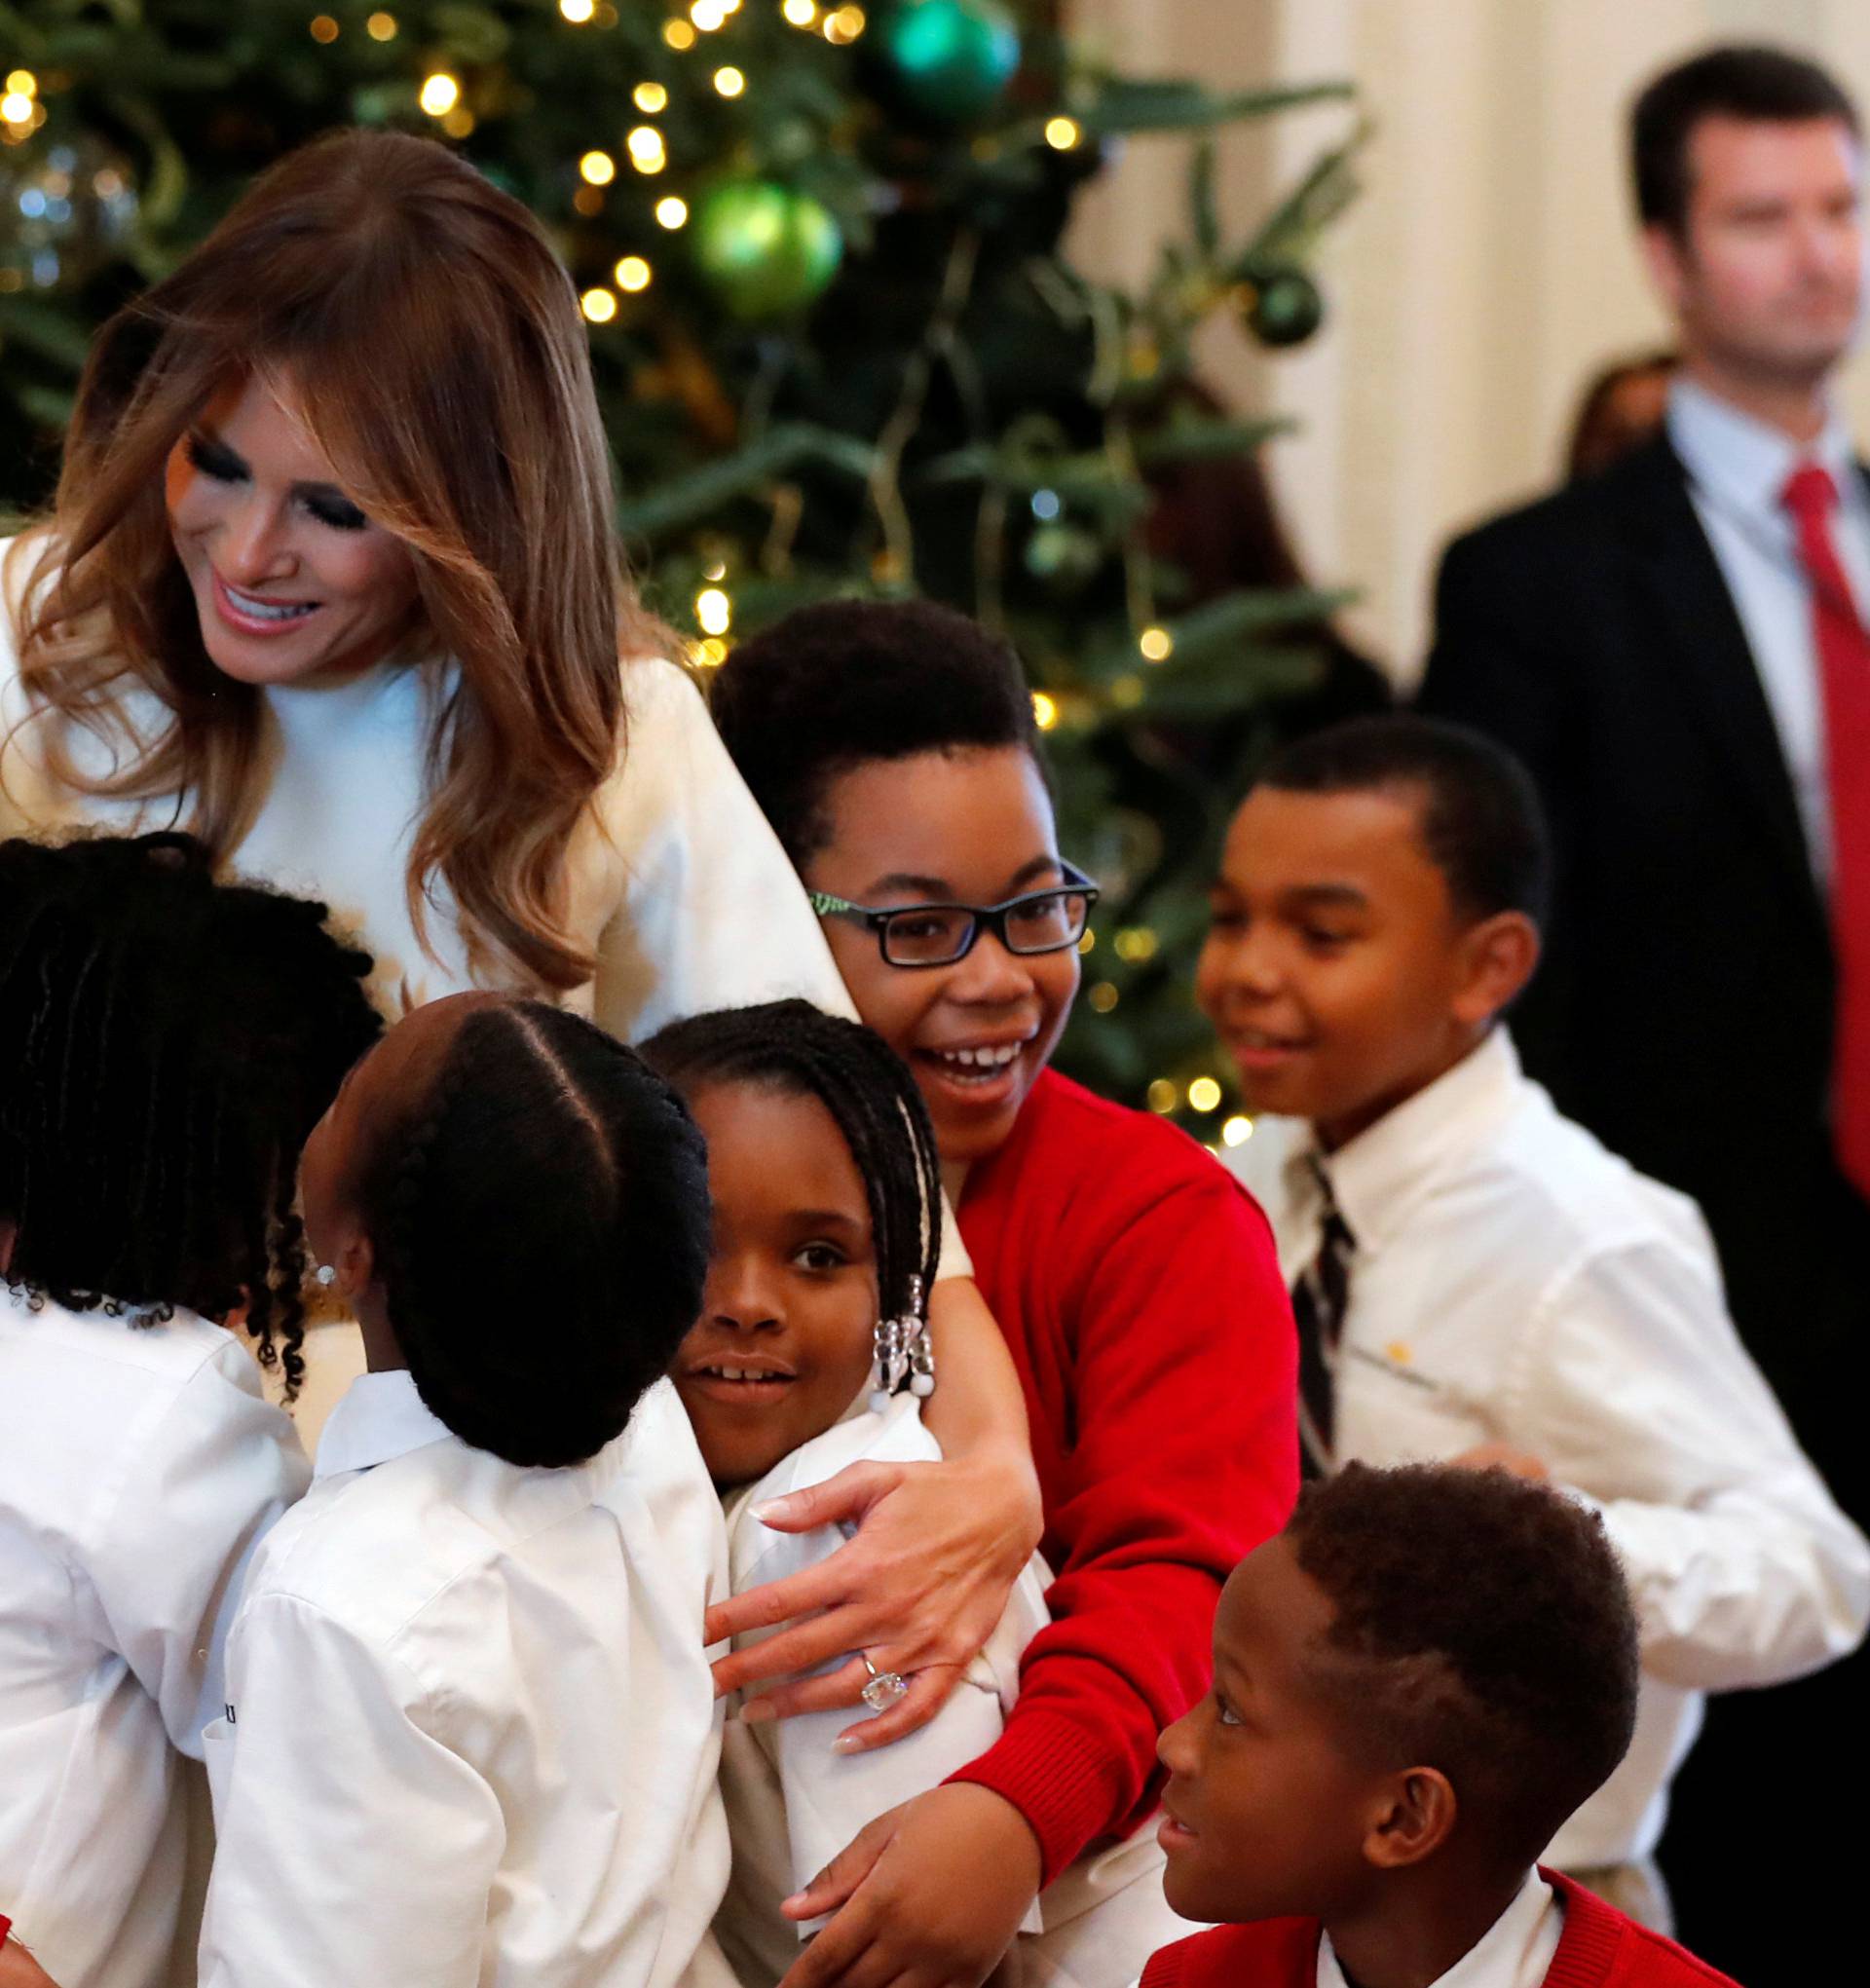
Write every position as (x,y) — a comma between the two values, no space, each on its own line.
(836,685)
(1483,1628)
(1481,824)
(540,1224)
(1759,84)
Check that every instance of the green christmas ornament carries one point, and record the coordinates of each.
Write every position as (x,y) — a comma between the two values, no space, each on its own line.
(948,59)
(763,250)
(1287,309)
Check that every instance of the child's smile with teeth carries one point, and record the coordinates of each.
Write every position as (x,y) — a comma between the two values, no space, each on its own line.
(990,1061)
(971,826)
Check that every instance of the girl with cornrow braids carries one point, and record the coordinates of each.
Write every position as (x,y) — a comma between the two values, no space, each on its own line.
(167,1042)
(810,1354)
(471,1731)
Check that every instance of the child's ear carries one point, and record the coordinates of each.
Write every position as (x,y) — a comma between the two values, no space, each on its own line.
(1499,956)
(1413,1822)
(355,1265)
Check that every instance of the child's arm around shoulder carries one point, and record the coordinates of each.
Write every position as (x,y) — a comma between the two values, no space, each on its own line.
(353,1844)
(1634,1390)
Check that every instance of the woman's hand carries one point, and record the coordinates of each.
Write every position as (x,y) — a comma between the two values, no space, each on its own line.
(920,1588)
(929,1895)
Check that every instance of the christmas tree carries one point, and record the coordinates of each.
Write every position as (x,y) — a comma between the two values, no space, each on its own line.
(837,343)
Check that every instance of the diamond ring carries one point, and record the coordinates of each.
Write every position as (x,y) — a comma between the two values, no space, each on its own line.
(885,1687)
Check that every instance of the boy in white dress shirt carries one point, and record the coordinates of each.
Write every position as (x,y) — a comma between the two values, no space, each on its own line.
(810,1353)
(1413,1684)
(470,1734)
(1476,1278)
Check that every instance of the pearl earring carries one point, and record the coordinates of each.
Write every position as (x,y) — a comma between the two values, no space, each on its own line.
(327,1274)
(902,1352)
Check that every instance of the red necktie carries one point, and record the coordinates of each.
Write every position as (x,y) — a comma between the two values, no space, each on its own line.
(1844,668)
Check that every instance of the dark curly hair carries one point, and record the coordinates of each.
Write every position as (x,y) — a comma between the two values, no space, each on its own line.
(1483,1628)
(839,683)
(538,1214)
(167,1043)
(799,1050)
(1482,823)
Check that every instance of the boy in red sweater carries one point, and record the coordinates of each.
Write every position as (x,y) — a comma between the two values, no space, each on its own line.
(893,746)
(1413,1686)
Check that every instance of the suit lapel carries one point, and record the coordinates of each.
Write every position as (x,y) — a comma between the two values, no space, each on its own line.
(1696,628)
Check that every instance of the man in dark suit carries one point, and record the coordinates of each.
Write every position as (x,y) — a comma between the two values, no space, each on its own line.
(1677,650)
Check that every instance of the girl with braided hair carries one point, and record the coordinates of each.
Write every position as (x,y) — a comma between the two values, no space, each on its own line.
(812,1353)
(167,1042)
(470,1732)
(332,580)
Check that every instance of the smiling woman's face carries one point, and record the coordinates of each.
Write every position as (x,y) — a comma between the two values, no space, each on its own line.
(292,581)
(971,826)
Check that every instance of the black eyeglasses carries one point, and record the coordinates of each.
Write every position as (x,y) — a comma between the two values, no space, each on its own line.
(939,934)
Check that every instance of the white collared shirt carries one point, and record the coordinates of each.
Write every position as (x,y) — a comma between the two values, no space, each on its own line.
(1737,467)
(1517,1951)
(138,1467)
(793,1803)
(1513,1282)
(471,1733)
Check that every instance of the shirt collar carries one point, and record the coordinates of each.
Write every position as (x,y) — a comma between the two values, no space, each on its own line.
(1743,462)
(1374,1176)
(1506,1956)
(380,1418)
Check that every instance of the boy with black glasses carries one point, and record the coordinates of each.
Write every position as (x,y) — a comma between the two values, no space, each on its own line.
(893,748)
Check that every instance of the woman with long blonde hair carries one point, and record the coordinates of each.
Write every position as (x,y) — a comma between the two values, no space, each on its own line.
(331,580)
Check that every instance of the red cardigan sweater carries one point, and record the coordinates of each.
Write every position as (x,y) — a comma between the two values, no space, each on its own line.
(1599,1948)
(1139,1292)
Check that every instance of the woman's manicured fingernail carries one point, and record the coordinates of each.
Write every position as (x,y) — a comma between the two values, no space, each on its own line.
(847,1742)
(765,1508)
(757,1712)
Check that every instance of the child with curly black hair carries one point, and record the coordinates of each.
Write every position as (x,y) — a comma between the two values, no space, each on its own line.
(1414,1685)
(811,1355)
(471,1729)
(166,1044)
